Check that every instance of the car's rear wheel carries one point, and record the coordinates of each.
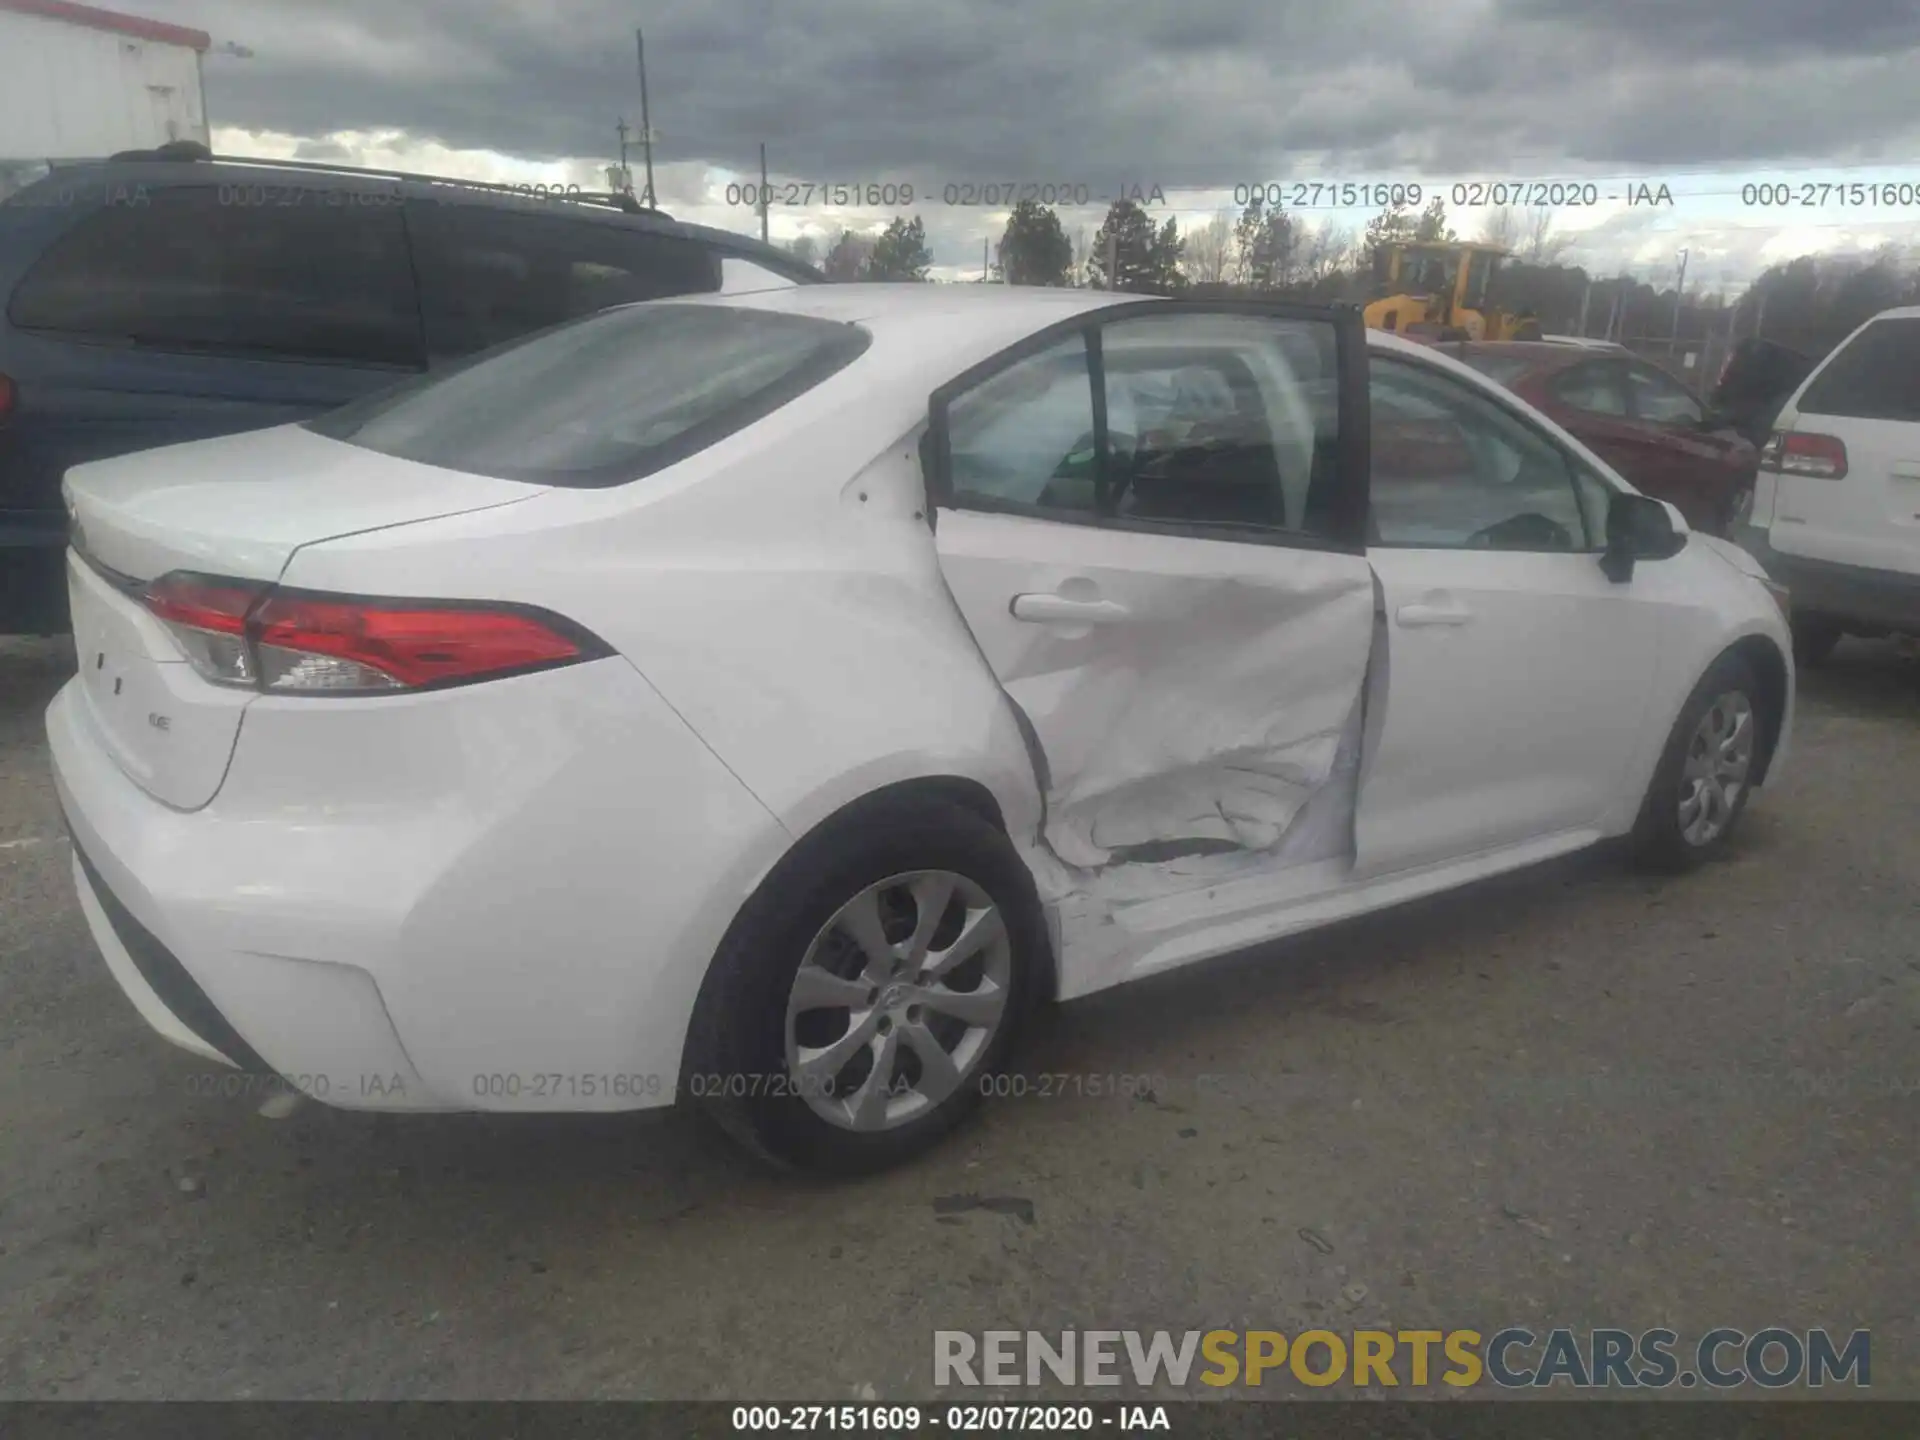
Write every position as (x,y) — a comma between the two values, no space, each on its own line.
(866,996)
(1814,637)
(1704,779)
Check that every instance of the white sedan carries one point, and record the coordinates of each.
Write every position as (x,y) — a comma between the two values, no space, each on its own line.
(767,699)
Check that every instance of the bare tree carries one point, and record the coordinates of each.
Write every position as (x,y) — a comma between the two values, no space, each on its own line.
(1501,227)
(1538,244)
(1209,252)
(1325,250)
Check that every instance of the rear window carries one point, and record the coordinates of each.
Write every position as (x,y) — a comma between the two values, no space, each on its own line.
(1503,369)
(603,400)
(1875,376)
(179,270)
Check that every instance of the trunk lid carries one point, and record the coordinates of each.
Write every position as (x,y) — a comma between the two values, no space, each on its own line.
(242,504)
(236,507)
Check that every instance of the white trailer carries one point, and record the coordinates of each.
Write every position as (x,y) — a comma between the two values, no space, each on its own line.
(78,82)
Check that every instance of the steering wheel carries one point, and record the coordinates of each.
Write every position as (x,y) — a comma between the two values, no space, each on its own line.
(1527,531)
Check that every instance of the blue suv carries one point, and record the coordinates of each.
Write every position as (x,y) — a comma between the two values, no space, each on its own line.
(164,296)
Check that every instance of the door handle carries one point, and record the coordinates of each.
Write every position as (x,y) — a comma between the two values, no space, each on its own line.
(1060,609)
(1906,469)
(1417,616)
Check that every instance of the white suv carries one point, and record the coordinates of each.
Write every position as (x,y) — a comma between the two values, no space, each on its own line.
(1836,509)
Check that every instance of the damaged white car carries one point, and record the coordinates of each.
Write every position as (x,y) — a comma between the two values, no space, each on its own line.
(767,699)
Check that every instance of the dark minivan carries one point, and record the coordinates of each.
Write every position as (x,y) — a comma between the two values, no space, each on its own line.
(151,298)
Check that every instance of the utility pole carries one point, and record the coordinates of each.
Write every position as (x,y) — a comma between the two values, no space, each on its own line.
(1586,299)
(1679,294)
(763,191)
(986,272)
(646,118)
(626,174)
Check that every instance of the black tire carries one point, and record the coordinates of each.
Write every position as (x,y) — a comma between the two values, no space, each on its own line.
(1658,842)
(1814,637)
(737,1068)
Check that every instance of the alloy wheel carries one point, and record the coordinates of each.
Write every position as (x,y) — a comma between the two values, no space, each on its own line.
(898,996)
(1718,762)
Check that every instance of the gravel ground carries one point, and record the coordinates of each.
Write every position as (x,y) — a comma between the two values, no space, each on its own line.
(1572,1097)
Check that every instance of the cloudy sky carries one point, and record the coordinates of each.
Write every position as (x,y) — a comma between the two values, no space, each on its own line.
(1194,98)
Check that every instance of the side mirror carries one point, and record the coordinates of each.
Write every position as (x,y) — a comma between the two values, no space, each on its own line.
(1639,528)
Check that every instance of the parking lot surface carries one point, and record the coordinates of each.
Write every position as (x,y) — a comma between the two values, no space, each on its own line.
(1573,1097)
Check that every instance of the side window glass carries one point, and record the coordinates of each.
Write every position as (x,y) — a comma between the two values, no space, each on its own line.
(1452,470)
(186,273)
(1595,389)
(1222,420)
(1658,399)
(1874,376)
(1025,435)
(491,275)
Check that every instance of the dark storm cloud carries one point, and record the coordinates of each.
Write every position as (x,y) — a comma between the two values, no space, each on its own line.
(1753,29)
(1194,94)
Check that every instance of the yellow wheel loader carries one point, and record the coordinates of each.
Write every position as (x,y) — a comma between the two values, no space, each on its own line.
(1439,290)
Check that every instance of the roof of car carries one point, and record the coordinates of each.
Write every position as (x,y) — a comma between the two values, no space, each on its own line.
(927,333)
(158,169)
(1014,306)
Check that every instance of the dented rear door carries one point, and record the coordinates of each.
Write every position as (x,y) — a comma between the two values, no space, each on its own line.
(1152,519)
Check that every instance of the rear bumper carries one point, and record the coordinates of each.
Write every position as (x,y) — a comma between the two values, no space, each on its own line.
(1877,599)
(500,901)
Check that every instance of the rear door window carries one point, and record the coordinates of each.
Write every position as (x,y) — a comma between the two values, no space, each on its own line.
(179,270)
(603,400)
(1192,420)
(490,275)
(1874,376)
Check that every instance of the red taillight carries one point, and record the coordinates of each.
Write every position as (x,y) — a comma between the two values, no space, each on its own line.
(7,395)
(219,606)
(239,634)
(1819,457)
(408,646)
(208,621)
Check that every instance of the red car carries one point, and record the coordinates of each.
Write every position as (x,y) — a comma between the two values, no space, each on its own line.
(1648,426)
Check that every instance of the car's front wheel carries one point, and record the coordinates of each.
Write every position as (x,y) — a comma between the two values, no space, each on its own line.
(867,995)
(1705,775)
